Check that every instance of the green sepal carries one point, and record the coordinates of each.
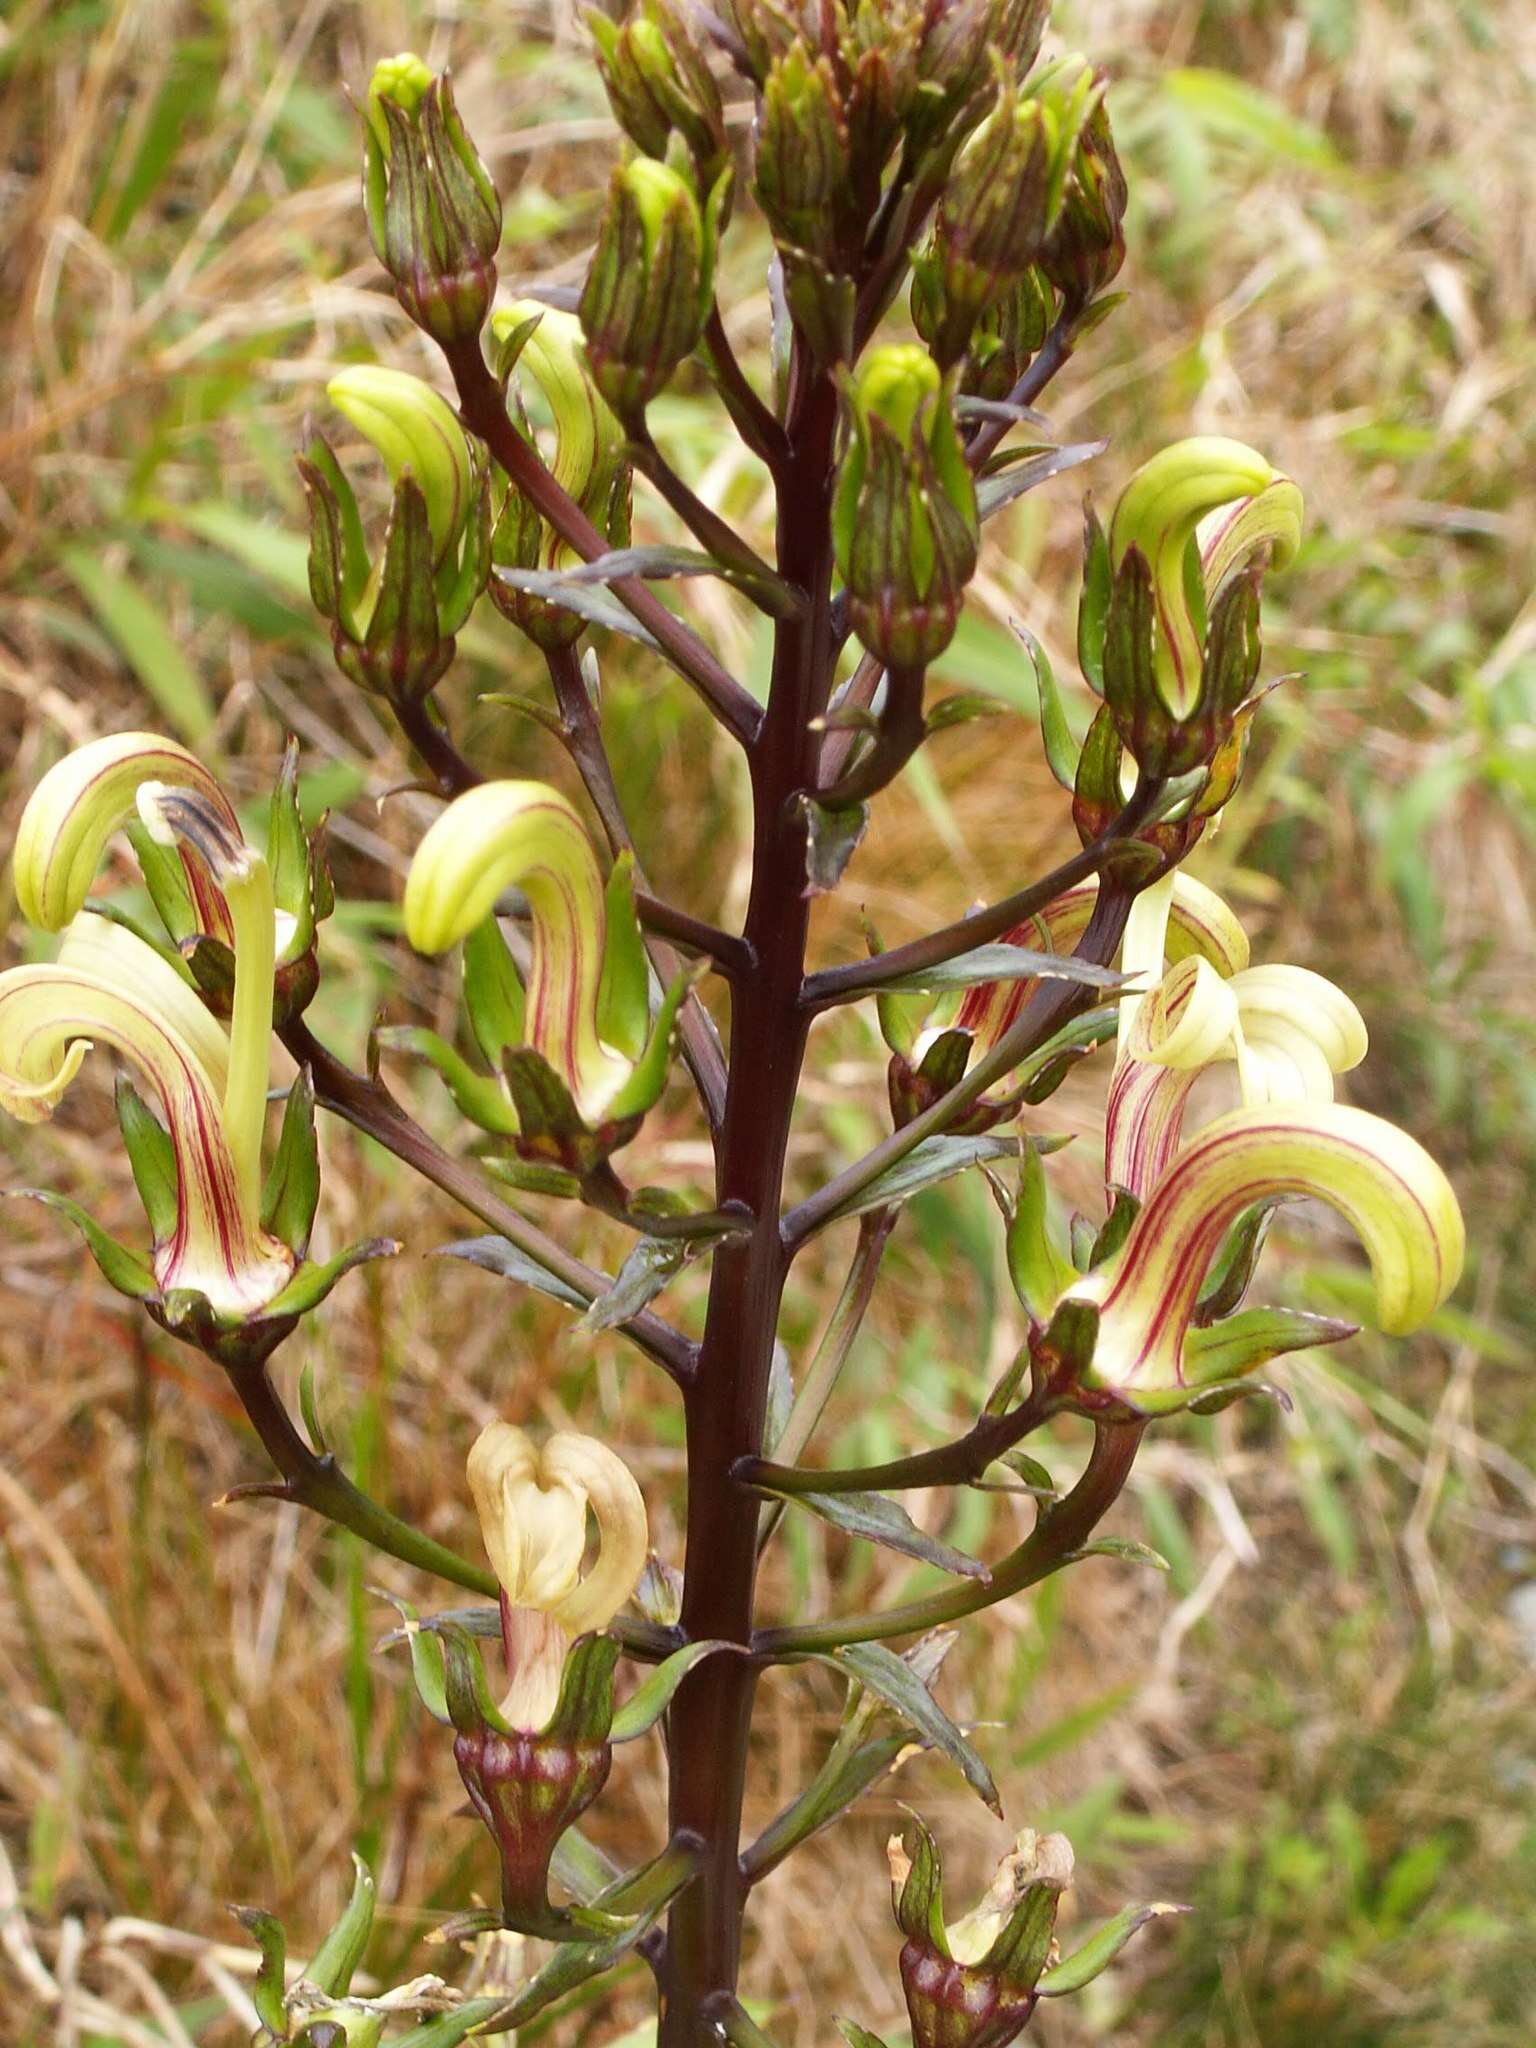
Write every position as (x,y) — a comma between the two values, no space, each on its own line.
(1062,752)
(152,1156)
(426,1650)
(313,1282)
(1099,1950)
(292,1191)
(876,1518)
(464,575)
(343,1948)
(1093,605)
(267,1991)
(309,1407)
(475,1096)
(403,646)
(649,1701)
(1070,1339)
(466,1694)
(494,1000)
(535,1177)
(1228,1349)
(129,1272)
(584,1711)
(338,558)
(1082,1235)
(1233,1268)
(643,1088)
(166,880)
(1096,791)
(855,2035)
(623,993)
(1234,647)
(1115,1229)
(1040,1270)
(1021,1951)
(920,1908)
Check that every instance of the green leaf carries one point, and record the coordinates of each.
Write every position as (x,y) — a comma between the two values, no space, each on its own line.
(495,1254)
(894,1681)
(650,1264)
(1123,1547)
(649,1701)
(934,1160)
(1000,962)
(1237,112)
(129,1272)
(875,1518)
(1001,487)
(145,642)
(834,832)
(644,1086)
(1100,1950)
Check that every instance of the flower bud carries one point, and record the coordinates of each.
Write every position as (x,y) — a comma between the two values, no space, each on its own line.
(659,85)
(904,519)
(1086,247)
(994,216)
(393,620)
(587,462)
(649,288)
(803,160)
(433,213)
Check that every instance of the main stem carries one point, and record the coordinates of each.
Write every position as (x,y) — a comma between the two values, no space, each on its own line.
(726,1401)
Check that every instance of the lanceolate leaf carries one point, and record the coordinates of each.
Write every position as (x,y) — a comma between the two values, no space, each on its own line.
(500,1255)
(934,1160)
(877,1519)
(1006,963)
(646,1270)
(882,1672)
(1001,488)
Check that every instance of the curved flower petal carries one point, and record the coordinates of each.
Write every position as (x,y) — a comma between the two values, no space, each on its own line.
(1158,514)
(1379,1179)
(533,1518)
(526,834)
(49,1019)
(588,439)
(109,953)
(82,801)
(1288,1030)
(417,433)
(618,1507)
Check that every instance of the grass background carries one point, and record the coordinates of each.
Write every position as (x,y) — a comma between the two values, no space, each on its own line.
(1317,1728)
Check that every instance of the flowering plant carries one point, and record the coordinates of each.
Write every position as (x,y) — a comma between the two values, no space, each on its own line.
(891,143)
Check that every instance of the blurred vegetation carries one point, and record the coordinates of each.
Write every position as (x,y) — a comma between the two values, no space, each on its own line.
(1317,1727)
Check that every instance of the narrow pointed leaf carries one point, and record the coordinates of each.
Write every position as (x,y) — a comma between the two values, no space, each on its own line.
(499,1255)
(129,1272)
(1000,962)
(343,1948)
(874,1518)
(892,1679)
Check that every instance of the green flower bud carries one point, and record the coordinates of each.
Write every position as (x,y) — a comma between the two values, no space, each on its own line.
(904,519)
(649,289)
(587,461)
(433,213)
(660,85)
(994,216)
(803,160)
(393,618)
(1086,247)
